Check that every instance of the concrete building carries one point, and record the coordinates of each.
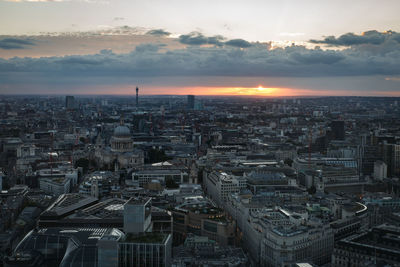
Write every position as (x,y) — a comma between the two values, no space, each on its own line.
(219,185)
(55,185)
(121,152)
(152,249)
(142,177)
(137,215)
(380,170)
(200,217)
(380,245)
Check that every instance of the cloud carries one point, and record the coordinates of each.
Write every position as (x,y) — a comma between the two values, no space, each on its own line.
(157,62)
(158,32)
(15,43)
(197,38)
(317,56)
(238,43)
(256,60)
(369,37)
(394,79)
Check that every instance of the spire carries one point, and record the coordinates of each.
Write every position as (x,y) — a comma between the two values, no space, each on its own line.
(121,122)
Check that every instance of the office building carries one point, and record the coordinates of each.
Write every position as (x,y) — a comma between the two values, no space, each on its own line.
(190,102)
(338,130)
(70,102)
(137,215)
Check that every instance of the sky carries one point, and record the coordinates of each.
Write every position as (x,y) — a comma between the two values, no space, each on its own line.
(219,47)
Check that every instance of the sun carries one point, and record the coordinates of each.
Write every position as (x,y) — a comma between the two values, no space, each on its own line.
(263,90)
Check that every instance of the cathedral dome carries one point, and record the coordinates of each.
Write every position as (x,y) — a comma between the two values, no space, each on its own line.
(122,131)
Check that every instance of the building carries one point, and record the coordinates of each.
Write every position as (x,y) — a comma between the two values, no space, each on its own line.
(378,245)
(70,102)
(137,215)
(391,156)
(121,152)
(1,180)
(143,177)
(219,185)
(200,217)
(190,102)
(202,251)
(55,185)
(137,96)
(140,246)
(338,130)
(60,247)
(99,183)
(150,249)
(380,170)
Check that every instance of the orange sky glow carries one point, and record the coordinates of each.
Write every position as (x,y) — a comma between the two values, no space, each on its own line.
(261,91)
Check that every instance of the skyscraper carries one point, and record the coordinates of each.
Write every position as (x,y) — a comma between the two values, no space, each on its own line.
(190,101)
(338,130)
(69,102)
(137,96)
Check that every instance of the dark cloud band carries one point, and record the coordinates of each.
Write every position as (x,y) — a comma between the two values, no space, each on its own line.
(15,43)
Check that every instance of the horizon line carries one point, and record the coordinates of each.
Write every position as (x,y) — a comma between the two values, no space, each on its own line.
(201,95)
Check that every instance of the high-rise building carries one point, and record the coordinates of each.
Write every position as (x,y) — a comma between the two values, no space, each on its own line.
(137,96)
(70,102)
(1,180)
(190,101)
(137,215)
(391,156)
(338,130)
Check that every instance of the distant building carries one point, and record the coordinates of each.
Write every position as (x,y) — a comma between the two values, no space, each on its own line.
(220,184)
(338,130)
(1,180)
(70,102)
(143,177)
(190,101)
(380,170)
(137,96)
(55,185)
(121,152)
(391,156)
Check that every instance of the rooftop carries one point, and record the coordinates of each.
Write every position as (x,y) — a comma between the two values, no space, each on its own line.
(146,238)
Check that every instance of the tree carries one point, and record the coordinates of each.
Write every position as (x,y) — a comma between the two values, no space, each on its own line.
(170,183)
(156,155)
(288,161)
(312,190)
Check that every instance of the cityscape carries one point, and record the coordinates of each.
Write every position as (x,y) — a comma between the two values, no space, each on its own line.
(206,133)
(199,181)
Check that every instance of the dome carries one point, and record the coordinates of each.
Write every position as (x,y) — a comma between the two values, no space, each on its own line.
(122,131)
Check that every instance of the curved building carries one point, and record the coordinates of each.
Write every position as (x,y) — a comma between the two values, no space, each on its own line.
(121,152)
